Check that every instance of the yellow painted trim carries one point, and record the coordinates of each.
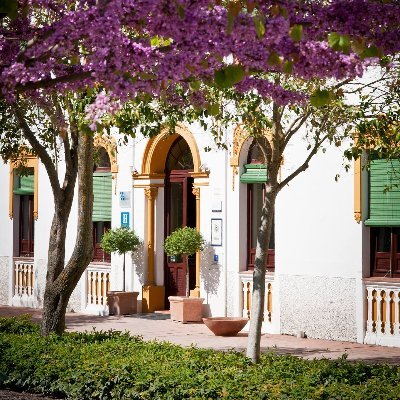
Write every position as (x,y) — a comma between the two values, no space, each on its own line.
(151,194)
(108,143)
(143,177)
(357,190)
(152,298)
(31,162)
(144,186)
(196,292)
(153,168)
(157,148)
(199,174)
(239,137)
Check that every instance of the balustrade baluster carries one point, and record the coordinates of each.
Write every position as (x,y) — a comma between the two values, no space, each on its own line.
(97,286)
(370,298)
(396,313)
(244,293)
(102,284)
(386,327)
(379,299)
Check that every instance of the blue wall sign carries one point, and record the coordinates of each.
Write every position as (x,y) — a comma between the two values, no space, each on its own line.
(125,219)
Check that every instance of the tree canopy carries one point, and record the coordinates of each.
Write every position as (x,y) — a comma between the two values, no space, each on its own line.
(140,46)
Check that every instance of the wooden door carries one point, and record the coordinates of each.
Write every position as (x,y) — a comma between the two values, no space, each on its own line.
(180,211)
(385,252)
(26,230)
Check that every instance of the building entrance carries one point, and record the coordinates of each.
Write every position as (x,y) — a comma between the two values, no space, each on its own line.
(180,211)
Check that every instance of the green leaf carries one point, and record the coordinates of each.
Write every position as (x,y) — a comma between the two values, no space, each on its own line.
(229,76)
(274,58)
(339,42)
(180,9)
(259,25)
(194,85)
(213,109)
(371,51)
(296,32)
(358,46)
(320,98)
(288,67)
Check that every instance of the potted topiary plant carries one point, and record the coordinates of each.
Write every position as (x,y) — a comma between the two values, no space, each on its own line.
(185,242)
(121,241)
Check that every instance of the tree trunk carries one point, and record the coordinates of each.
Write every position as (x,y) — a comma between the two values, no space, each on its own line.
(60,281)
(258,296)
(187,276)
(123,273)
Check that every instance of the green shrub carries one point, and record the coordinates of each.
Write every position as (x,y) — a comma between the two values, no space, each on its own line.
(184,241)
(18,325)
(119,240)
(114,365)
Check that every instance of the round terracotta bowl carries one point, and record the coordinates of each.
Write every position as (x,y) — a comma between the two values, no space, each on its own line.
(225,326)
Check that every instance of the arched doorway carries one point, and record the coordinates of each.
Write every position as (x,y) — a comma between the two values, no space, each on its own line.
(180,211)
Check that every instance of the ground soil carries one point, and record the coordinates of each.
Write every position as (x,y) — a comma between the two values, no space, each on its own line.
(10,395)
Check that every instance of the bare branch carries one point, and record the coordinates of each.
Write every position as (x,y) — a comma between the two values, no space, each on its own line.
(305,164)
(296,125)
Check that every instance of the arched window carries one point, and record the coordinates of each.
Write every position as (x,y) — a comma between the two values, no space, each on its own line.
(101,160)
(255,176)
(102,192)
(180,156)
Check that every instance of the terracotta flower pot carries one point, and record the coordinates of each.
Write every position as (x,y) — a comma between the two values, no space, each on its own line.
(120,303)
(186,309)
(225,326)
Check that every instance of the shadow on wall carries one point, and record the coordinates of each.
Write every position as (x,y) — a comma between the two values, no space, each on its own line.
(138,263)
(210,271)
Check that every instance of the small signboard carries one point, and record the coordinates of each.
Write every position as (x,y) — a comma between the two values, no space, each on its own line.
(125,199)
(125,219)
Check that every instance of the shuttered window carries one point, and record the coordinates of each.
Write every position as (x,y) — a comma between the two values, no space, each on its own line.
(384,193)
(254,173)
(24,185)
(102,191)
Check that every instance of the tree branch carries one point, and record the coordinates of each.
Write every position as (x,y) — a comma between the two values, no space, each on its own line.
(294,128)
(303,166)
(46,83)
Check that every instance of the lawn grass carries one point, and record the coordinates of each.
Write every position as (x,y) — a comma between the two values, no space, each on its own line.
(115,365)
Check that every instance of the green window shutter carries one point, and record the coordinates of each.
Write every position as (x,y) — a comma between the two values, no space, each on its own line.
(384,193)
(102,191)
(254,173)
(25,186)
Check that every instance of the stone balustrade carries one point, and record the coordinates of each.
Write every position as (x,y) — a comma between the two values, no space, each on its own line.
(23,283)
(383,309)
(246,279)
(97,286)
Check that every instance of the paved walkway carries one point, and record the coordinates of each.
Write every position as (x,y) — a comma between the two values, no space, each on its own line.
(160,327)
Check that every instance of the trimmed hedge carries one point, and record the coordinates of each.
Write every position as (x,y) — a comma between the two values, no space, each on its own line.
(115,365)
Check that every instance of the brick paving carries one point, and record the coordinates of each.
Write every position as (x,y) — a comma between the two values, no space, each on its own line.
(161,328)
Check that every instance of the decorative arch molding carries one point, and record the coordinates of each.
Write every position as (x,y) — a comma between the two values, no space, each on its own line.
(30,161)
(156,152)
(240,136)
(108,143)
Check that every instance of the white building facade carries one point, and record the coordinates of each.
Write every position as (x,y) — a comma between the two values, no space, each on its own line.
(325,277)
